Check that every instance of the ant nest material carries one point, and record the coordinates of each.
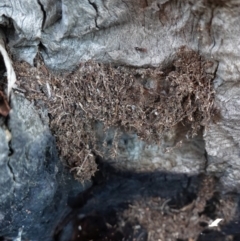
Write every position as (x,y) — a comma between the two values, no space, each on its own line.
(147,102)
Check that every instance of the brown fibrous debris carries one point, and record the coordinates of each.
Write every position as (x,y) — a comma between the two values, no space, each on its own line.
(144,101)
(164,221)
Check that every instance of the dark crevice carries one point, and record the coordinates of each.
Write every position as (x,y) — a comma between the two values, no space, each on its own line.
(211,207)
(41,48)
(10,153)
(3,82)
(94,5)
(206,161)
(44,13)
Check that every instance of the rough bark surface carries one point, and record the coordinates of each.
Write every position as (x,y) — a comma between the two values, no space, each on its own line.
(134,33)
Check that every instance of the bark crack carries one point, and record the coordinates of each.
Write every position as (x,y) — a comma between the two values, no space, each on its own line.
(94,5)
(44,13)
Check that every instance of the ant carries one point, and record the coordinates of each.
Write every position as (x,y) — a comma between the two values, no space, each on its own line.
(143,50)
